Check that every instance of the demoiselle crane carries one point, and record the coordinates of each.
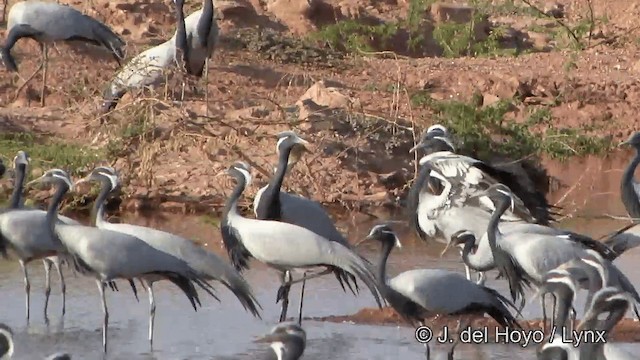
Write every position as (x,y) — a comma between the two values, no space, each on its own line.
(629,188)
(629,236)
(532,254)
(26,232)
(7,347)
(607,300)
(421,293)
(280,245)
(287,341)
(271,203)
(48,22)
(615,303)
(470,172)
(107,255)
(148,68)
(205,263)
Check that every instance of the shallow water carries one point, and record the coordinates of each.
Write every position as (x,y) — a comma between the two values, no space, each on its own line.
(224,330)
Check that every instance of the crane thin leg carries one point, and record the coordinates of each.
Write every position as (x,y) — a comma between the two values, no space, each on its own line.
(283,293)
(152,311)
(206,86)
(105,321)
(304,281)
(47,284)
(544,312)
(63,285)
(45,61)
(27,286)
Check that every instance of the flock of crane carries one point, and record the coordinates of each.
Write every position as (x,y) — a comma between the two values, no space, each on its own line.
(496,218)
(496,222)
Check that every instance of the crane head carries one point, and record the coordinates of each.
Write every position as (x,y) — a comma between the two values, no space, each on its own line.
(6,341)
(384,234)
(499,192)
(557,281)
(240,170)
(289,140)
(55,177)
(633,140)
(435,138)
(21,159)
(102,174)
(460,238)
(605,300)
(286,338)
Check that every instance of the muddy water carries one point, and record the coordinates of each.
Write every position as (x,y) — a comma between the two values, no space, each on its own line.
(225,331)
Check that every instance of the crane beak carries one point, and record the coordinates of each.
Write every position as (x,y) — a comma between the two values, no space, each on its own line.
(368,237)
(626,142)
(272,337)
(449,244)
(81,181)
(419,145)
(33,182)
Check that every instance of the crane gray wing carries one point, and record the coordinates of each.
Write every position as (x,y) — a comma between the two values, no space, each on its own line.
(624,239)
(204,262)
(310,215)
(439,290)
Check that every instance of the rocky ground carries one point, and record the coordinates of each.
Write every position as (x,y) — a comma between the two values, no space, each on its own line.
(359,79)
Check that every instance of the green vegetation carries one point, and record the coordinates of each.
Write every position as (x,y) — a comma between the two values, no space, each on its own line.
(485,131)
(455,39)
(47,153)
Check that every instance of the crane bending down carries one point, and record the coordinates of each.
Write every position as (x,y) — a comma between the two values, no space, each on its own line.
(48,22)
(280,245)
(271,203)
(205,263)
(107,255)
(421,293)
(195,36)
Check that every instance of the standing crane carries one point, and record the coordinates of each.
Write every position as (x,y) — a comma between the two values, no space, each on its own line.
(48,22)
(280,245)
(25,233)
(205,263)
(421,293)
(107,255)
(271,203)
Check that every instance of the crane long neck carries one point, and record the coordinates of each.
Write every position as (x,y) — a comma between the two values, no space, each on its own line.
(492,228)
(207,9)
(271,195)
(231,206)
(564,306)
(181,37)
(52,211)
(482,259)
(98,205)
(18,186)
(627,190)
